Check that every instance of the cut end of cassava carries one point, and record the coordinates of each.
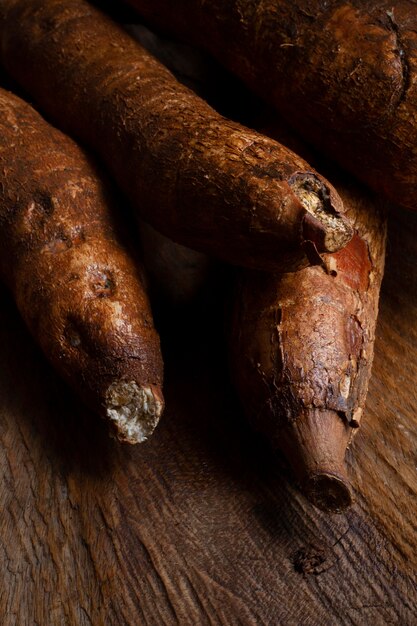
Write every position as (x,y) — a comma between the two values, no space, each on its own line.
(133,411)
(315,446)
(323,224)
(329,492)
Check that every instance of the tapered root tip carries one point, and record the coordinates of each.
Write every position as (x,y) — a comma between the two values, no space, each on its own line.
(315,446)
(328,492)
(133,411)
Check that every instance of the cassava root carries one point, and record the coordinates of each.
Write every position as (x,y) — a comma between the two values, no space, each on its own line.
(302,349)
(76,285)
(342,73)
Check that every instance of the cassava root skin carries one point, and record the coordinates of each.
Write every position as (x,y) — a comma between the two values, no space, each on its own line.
(203,181)
(302,348)
(344,74)
(76,286)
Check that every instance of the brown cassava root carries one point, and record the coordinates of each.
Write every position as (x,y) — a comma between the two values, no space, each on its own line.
(76,285)
(342,73)
(302,350)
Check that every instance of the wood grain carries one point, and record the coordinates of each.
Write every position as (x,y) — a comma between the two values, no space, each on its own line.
(202,525)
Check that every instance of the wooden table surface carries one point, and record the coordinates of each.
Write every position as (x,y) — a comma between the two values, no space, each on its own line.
(202,525)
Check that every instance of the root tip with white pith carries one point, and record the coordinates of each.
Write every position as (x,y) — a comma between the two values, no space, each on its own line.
(133,411)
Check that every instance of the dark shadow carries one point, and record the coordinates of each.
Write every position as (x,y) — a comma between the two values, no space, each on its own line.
(50,412)
(209,415)
(400,280)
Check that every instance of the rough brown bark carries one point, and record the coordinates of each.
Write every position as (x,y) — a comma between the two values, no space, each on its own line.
(198,178)
(302,351)
(76,286)
(343,73)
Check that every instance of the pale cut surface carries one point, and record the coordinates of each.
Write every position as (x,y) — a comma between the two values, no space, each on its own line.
(133,411)
(314,197)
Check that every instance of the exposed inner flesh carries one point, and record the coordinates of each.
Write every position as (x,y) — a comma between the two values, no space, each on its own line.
(133,410)
(315,198)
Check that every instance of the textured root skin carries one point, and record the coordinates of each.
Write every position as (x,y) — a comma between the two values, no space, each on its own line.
(77,288)
(316,443)
(302,349)
(198,178)
(343,73)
